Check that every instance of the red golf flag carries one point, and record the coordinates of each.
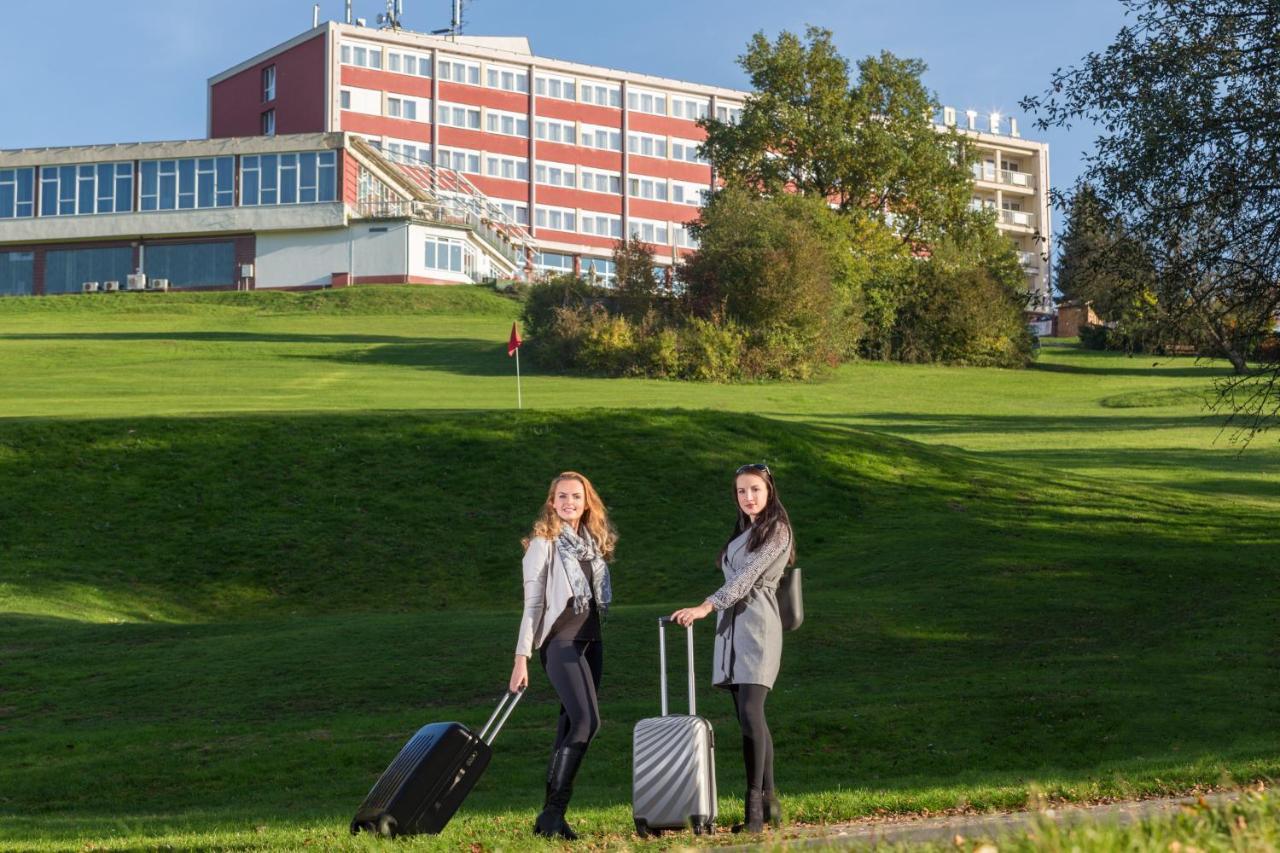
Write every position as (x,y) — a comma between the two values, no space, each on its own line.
(513,343)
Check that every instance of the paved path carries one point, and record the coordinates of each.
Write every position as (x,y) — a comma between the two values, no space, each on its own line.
(974,827)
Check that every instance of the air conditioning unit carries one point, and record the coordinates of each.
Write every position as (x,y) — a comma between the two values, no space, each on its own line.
(89,287)
(158,284)
(136,281)
(111,286)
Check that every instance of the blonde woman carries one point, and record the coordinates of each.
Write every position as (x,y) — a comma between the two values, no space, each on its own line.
(566,594)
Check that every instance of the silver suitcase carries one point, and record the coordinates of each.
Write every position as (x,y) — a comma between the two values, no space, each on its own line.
(674,777)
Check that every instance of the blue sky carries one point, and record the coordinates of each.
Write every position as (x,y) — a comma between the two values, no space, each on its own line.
(130,70)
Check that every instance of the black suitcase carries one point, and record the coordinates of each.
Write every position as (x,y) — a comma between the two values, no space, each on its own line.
(422,788)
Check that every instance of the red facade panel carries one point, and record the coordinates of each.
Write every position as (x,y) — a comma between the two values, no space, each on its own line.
(500,188)
(655,167)
(236,105)
(580,239)
(662,210)
(400,128)
(477,96)
(571,111)
(398,84)
(665,126)
(350,177)
(456,137)
(560,153)
(564,197)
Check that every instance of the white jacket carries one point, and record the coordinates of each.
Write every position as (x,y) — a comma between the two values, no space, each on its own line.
(546,594)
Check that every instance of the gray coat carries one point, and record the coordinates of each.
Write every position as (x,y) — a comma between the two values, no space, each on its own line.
(748,629)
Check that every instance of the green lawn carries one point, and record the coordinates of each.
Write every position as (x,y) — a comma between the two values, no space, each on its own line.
(249,542)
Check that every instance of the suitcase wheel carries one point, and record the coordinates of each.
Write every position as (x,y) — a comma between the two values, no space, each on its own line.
(386,826)
(645,831)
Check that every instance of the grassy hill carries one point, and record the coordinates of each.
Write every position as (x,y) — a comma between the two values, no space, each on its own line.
(215,630)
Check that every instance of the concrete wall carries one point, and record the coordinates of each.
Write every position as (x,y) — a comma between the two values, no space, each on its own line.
(310,258)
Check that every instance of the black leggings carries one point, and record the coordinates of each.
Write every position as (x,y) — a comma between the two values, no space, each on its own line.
(574,668)
(757,742)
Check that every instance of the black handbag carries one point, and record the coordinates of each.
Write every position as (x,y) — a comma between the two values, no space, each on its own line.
(791,600)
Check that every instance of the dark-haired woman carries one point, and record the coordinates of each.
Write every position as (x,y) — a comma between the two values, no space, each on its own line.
(566,592)
(748,628)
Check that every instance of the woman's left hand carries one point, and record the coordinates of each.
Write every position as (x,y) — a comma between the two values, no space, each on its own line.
(688,615)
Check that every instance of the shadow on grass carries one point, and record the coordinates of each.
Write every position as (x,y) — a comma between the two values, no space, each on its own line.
(971,622)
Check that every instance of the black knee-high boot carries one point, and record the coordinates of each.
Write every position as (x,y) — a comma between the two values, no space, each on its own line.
(753,820)
(565,762)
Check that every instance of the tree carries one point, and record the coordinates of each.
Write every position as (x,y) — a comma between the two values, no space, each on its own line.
(1186,98)
(636,277)
(868,144)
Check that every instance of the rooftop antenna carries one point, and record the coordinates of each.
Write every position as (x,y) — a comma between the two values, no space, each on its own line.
(391,18)
(455,28)
(348,11)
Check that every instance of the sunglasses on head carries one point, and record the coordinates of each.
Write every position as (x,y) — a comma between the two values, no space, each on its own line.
(752,466)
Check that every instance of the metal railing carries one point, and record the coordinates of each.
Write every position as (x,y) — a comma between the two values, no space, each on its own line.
(1023,218)
(1030,261)
(1023,180)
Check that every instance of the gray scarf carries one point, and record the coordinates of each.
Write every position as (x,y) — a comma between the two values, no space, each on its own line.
(574,547)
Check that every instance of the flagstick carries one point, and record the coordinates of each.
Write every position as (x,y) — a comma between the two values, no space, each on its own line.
(519,398)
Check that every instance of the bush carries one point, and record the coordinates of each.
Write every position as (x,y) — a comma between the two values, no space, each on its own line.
(710,351)
(960,317)
(1093,336)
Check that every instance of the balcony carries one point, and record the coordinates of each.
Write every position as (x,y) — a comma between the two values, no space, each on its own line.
(1030,261)
(1006,178)
(1018,218)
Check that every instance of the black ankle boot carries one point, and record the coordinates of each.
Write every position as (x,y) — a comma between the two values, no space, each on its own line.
(772,808)
(754,819)
(564,767)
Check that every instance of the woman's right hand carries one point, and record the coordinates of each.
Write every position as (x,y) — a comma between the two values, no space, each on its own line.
(519,674)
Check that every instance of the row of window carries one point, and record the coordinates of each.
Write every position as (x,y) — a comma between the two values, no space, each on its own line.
(185,183)
(66,270)
(513,79)
(450,255)
(610,225)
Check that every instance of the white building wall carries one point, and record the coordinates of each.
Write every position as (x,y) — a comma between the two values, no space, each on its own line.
(293,258)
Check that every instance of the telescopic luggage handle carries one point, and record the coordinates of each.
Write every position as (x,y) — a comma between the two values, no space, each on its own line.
(508,701)
(663,621)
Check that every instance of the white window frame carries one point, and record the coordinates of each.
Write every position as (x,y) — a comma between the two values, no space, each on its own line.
(453,153)
(545,215)
(591,179)
(398,62)
(506,167)
(555,86)
(398,150)
(652,231)
(494,78)
(543,126)
(689,147)
(506,123)
(687,192)
(447,115)
(600,224)
(399,106)
(600,94)
(690,108)
(647,186)
(517,212)
(449,70)
(649,101)
(636,143)
(589,136)
(269,83)
(553,174)
(350,54)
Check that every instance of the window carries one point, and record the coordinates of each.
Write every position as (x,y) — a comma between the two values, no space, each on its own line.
(413,109)
(17,194)
(604,138)
(367,101)
(689,108)
(556,175)
(344,99)
(460,72)
(552,262)
(193,264)
(299,178)
(601,224)
(687,193)
(728,114)
(453,115)
(17,273)
(362,56)
(65,270)
(86,188)
(556,131)
(654,188)
(686,150)
(647,144)
(602,268)
(458,160)
(600,94)
(682,237)
(518,213)
(555,218)
(598,181)
(649,231)
(268,83)
(555,87)
(647,102)
(510,168)
(443,253)
(404,151)
(508,124)
(186,184)
(267,123)
(510,79)
(413,64)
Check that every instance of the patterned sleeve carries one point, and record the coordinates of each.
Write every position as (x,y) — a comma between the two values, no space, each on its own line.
(739,585)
